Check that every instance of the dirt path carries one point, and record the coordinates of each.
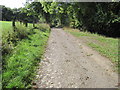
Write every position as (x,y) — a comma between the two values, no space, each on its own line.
(68,63)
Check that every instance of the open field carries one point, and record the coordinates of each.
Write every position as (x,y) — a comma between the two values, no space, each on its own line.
(6,25)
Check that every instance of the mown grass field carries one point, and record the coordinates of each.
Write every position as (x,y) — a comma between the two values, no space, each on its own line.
(6,25)
(106,46)
(22,50)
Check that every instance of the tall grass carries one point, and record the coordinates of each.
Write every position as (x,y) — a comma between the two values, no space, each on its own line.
(27,46)
(11,35)
(21,64)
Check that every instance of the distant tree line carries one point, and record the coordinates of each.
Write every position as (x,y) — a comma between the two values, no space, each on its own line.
(19,14)
(95,17)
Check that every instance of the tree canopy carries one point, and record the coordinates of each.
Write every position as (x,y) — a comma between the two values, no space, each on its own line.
(95,17)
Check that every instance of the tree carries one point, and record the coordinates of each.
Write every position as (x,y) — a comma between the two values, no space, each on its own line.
(7,13)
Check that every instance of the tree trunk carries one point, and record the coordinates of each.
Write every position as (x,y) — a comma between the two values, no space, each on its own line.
(34,24)
(13,23)
(20,22)
(26,24)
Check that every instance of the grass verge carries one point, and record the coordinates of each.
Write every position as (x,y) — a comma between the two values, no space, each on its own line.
(107,47)
(20,63)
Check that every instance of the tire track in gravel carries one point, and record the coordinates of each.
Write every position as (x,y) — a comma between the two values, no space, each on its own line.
(68,63)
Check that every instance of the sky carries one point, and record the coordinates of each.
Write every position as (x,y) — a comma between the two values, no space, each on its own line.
(13,3)
(18,3)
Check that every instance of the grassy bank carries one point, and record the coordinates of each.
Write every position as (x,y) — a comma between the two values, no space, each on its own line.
(19,65)
(107,47)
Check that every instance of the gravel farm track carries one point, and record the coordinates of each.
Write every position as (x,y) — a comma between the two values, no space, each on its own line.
(69,63)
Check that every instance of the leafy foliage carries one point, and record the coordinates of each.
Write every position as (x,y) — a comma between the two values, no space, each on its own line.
(101,18)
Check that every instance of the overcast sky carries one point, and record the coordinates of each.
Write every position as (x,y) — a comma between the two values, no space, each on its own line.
(20,3)
(13,3)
